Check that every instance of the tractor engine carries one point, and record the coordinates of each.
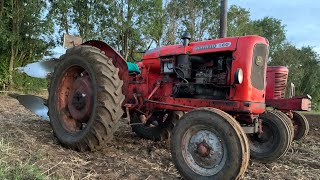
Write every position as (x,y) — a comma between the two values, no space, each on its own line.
(199,76)
(227,73)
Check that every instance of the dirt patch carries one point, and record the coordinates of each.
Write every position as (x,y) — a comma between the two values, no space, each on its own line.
(128,156)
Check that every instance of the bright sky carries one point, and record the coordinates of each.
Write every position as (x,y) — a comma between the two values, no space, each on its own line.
(301,18)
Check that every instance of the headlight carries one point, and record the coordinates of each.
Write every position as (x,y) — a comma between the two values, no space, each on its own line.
(238,76)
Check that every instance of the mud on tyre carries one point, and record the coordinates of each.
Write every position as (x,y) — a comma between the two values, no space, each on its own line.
(301,125)
(85,99)
(273,142)
(208,143)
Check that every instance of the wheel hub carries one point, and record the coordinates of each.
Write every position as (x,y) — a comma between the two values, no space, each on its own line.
(203,151)
(79,99)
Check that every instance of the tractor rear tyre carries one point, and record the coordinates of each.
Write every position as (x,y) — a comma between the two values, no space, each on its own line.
(273,142)
(301,125)
(85,99)
(208,143)
(288,121)
(157,128)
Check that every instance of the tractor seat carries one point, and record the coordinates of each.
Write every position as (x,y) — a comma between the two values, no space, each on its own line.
(133,69)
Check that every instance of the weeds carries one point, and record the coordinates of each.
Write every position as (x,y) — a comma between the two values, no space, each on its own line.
(13,169)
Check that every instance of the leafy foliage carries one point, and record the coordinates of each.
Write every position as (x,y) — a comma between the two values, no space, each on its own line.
(28,29)
(304,69)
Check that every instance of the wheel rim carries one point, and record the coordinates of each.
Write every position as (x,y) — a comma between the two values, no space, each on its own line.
(74,98)
(263,142)
(203,151)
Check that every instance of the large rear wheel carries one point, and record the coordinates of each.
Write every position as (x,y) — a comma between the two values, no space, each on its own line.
(85,99)
(207,143)
(301,125)
(273,142)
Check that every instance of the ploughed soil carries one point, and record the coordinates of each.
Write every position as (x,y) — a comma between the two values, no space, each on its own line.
(128,156)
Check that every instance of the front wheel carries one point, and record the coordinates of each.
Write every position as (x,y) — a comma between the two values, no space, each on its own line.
(208,144)
(288,121)
(273,142)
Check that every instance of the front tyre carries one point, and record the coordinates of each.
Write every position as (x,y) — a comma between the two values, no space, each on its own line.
(85,99)
(273,142)
(208,144)
(288,121)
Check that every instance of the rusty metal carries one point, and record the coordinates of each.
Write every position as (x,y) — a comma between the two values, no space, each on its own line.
(79,99)
(203,151)
(154,90)
(70,41)
(223,18)
(74,98)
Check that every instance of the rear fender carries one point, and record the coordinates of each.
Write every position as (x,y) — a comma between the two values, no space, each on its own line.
(117,61)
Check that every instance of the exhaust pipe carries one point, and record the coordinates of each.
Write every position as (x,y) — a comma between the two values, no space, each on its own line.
(223,18)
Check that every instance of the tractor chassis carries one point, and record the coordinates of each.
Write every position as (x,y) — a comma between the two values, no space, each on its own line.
(253,124)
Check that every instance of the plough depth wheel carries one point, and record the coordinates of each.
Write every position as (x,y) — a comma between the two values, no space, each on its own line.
(301,125)
(85,98)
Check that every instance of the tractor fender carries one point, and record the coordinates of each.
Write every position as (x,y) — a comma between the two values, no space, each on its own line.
(117,61)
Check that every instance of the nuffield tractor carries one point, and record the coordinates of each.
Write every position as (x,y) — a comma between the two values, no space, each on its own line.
(208,98)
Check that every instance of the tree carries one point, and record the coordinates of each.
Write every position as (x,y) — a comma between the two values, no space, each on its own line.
(304,69)
(199,18)
(240,24)
(273,30)
(24,29)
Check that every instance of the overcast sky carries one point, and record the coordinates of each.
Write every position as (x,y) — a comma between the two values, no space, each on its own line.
(301,17)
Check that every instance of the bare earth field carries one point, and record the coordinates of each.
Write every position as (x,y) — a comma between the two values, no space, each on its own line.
(25,140)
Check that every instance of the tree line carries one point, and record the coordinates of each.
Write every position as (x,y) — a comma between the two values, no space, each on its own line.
(29,29)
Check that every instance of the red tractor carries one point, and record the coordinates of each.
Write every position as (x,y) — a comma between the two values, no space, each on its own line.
(220,83)
(275,97)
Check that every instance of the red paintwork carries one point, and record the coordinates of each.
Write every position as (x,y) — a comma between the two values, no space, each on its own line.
(276,86)
(117,61)
(243,98)
(82,85)
(294,104)
(68,87)
(276,82)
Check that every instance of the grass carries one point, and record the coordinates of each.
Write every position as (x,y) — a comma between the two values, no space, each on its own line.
(18,172)
(11,168)
(311,112)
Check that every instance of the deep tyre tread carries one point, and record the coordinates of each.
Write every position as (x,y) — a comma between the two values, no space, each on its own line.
(229,132)
(302,126)
(107,94)
(271,150)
